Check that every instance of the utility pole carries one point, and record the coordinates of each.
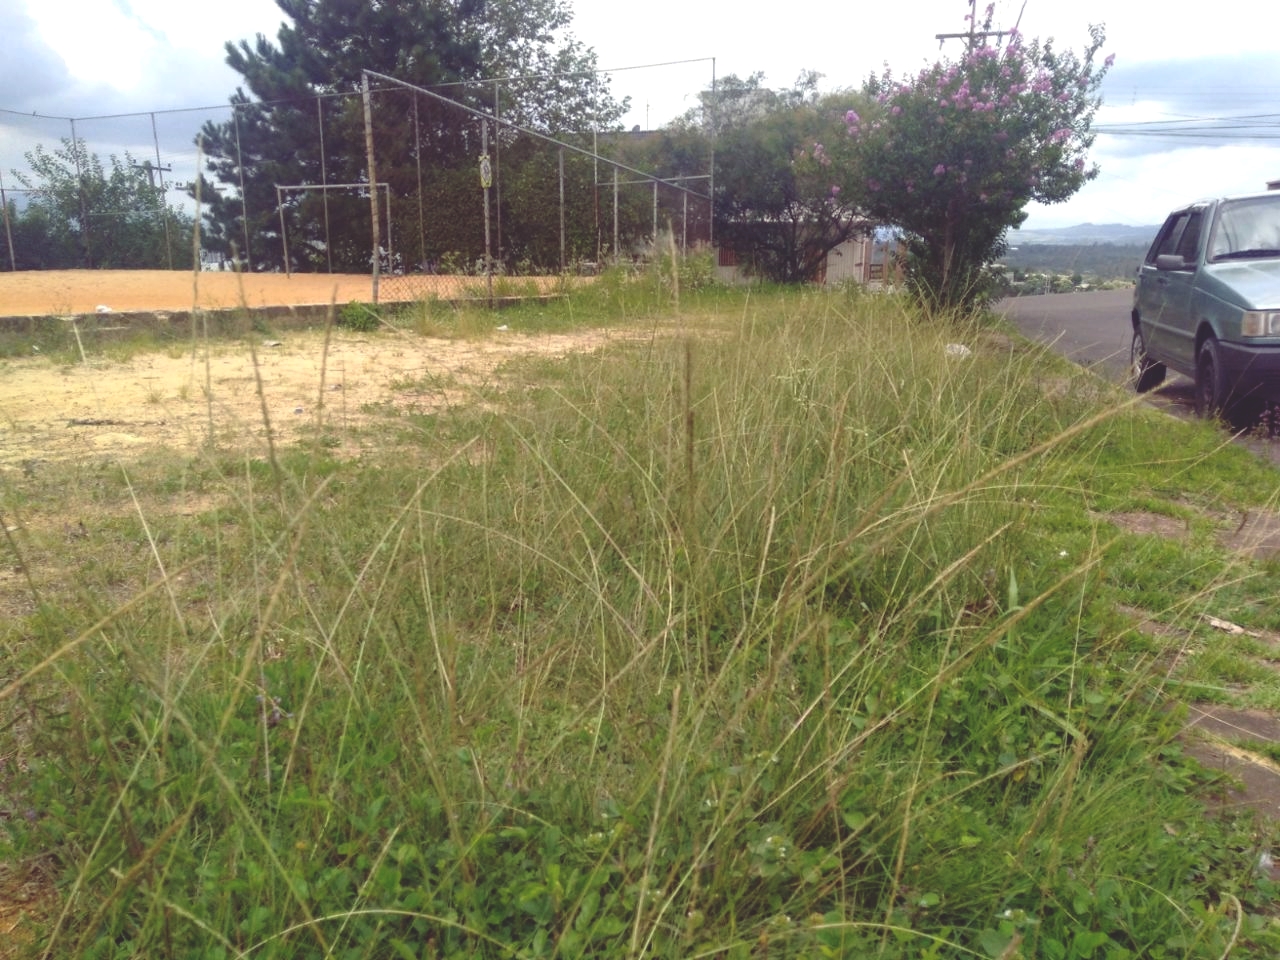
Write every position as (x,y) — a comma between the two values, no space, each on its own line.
(973,34)
(8,232)
(152,170)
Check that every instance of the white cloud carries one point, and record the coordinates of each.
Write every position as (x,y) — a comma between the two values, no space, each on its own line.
(1141,190)
(127,45)
(95,57)
(95,41)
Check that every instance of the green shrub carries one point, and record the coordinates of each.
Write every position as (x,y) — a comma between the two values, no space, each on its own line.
(359,317)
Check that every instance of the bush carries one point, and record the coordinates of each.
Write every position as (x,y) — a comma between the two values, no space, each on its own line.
(359,317)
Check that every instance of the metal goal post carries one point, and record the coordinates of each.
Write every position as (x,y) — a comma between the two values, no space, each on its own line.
(283,189)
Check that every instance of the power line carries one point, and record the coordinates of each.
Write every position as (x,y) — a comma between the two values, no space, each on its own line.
(1191,135)
(284,101)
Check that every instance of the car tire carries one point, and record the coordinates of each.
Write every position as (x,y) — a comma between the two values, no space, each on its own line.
(1211,394)
(1145,373)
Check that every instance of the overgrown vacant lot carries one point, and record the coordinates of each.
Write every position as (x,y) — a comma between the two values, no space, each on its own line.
(767,626)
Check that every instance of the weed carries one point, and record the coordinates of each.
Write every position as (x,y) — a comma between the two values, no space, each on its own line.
(359,317)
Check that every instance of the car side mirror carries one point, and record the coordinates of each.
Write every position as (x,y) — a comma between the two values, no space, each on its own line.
(1171,261)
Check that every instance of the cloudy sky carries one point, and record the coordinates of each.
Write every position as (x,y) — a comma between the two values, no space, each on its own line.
(1192,105)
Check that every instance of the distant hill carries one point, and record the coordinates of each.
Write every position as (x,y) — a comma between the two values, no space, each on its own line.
(1083,234)
(1094,261)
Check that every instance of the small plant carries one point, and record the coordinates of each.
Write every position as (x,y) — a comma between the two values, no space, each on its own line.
(452,262)
(359,317)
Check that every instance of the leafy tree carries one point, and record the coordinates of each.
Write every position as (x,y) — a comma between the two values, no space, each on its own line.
(778,196)
(531,201)
(308,80)
(954,155)
(84,214)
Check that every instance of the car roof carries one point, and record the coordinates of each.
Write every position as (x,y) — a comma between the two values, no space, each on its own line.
(1203,201)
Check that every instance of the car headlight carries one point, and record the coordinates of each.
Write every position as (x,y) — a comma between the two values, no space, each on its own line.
(1260,323)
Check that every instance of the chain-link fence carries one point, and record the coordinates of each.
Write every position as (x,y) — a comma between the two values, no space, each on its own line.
(484,179)
(518,201)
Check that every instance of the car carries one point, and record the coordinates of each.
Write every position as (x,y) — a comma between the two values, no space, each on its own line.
(1207,304)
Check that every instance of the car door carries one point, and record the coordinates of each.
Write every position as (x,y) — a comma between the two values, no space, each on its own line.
(1164,296)
(1179,320)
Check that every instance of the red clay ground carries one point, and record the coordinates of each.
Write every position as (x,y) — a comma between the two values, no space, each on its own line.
(65,292)
(60,292)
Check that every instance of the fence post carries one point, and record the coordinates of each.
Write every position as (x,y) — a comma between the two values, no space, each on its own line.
(284,237)
(164,204)
(417,152)
(684,224)
(486,174)
(13,261)
(655,214)
(563,264)
(244,196)
(324,182)
(391,249)
(373,178)
(497,166)
(84,208)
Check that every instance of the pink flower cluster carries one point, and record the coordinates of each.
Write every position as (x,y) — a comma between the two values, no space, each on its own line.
(1001,124)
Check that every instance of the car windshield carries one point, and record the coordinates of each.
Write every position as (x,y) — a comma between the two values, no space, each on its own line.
(1247,228)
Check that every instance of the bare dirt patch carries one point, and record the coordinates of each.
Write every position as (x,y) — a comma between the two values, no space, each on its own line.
(104,409)
(1257,534)
(1254,533)
(1141,522)
(27,898)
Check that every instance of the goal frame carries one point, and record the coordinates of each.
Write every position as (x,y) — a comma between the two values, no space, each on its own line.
(283,189)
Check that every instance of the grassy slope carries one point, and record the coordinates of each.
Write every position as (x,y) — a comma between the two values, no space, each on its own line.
(778,632)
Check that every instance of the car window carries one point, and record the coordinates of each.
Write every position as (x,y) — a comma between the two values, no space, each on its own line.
(1167,241)
(1189,243)
(1246,228)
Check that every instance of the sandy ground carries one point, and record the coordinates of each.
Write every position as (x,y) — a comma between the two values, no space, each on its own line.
(102,408)
(105,409)
(61,292)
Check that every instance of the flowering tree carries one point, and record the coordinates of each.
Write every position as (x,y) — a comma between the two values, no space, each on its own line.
(953,155)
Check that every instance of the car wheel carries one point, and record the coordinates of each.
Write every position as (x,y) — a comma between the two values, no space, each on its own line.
(1210,393)
(1145,373)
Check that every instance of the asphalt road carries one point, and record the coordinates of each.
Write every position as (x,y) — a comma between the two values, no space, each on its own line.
(1090,328)
(1093,329)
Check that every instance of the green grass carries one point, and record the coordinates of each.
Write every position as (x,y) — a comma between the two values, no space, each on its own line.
(777,631)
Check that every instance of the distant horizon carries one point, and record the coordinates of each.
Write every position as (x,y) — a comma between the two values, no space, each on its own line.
(1036,224)
(1114,226)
